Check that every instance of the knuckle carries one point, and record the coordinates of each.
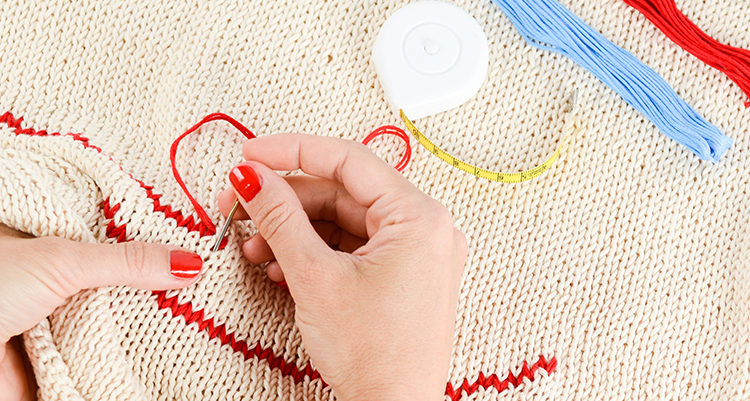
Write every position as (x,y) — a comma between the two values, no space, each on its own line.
(360,147)
(134,254)
(402,208)
(58,264)
(352,151)
(415,206)
(353,145)
(273,217)
(438,223)
(247,149)
(420,211)
(439,214)
(57,252)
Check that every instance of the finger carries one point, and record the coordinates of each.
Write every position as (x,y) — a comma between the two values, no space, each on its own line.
(280,219)
(141,265)
(366,177)
(16,378)
(256,250)
(226,201)
(338,238)
(328,200)
(322,200)
(273,270)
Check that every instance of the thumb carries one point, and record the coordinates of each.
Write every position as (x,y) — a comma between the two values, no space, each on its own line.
(136,264)
(44,271)
(280,219)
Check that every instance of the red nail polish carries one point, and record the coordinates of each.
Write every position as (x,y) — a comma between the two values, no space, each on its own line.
(184,264)
(246,181)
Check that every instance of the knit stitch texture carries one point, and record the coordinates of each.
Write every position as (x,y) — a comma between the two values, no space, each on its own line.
(619,274)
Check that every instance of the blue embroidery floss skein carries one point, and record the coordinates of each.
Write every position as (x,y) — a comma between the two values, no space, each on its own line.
(547,25)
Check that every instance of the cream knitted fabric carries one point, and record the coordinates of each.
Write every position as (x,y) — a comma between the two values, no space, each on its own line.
(624,267)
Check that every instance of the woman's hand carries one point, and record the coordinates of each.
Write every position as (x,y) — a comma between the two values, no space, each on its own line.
(377,314)
(37,275)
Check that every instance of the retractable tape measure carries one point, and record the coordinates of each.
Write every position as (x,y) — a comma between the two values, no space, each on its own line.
(432,56)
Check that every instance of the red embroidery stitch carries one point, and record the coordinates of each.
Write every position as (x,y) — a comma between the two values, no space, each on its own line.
(189,222)
(182,221)
(185,310)
(492,381)
(14,123)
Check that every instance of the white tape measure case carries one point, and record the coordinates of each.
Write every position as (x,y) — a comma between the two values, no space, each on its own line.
(430,57)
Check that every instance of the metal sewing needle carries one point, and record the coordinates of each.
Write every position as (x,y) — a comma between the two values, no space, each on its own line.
(226,225)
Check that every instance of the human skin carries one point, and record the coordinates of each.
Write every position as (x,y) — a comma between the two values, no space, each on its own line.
(372,263)
(38,274)
(377,314)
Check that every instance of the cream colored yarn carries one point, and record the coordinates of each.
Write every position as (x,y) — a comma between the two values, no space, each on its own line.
(627,261)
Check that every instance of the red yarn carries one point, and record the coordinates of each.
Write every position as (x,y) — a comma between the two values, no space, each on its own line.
(393,130)
(207,223)
(732,61)
(173,154)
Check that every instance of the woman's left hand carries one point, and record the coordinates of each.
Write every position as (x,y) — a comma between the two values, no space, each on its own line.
(38,274)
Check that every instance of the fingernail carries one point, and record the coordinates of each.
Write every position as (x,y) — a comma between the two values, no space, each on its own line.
(281,284)
(246,181)
(184,264)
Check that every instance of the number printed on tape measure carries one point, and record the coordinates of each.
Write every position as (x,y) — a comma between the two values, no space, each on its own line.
(480,172)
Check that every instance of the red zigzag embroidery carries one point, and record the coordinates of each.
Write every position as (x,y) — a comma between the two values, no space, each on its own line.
(493,381)
(185,310)
(219,332)
(187,222)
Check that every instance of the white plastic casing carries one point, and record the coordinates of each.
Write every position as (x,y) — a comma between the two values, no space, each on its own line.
(430,57)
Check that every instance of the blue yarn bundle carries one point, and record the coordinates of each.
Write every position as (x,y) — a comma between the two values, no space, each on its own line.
(547,25)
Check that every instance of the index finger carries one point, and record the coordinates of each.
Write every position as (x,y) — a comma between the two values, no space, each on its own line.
(364,175)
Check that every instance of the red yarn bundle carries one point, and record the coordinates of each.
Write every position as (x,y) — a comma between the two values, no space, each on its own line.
(732,61)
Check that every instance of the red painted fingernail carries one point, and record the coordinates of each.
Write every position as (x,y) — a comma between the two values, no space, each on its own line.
(281,284)
(246,181)
(184,264)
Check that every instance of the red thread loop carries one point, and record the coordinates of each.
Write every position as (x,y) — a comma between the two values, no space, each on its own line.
(393,130)
(211,228)
(732,61)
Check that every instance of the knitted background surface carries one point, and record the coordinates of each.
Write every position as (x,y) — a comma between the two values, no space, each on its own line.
(622,273)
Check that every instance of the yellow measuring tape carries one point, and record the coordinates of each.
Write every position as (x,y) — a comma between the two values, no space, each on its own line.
(571,127)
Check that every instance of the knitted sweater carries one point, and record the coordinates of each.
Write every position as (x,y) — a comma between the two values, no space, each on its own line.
(621,273)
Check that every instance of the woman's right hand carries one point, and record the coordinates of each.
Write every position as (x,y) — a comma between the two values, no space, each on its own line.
(377,315)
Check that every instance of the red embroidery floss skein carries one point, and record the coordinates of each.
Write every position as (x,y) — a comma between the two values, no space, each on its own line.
(734,62)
